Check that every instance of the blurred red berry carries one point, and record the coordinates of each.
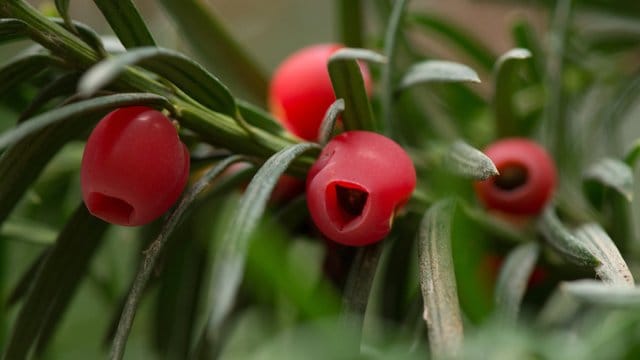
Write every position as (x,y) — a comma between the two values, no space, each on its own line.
(492,264)
(134,166)
(300,91)
(357,184)
(527,177)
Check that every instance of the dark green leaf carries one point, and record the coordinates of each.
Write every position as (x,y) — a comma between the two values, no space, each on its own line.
(348,84)
(80,109)
(126,22)
(56,281)
(153,253)
(63,9)
(22,162)
(85,33)
(26,279)
(351,22)
(64,86)
(438,282)
(358,288)
(469,162)
(598,293)
(12,29)
(610,173)
(259,118)
(454,36)
(228,266)
(526,37)
(562,240)
(329,121)
(185,73)
(514,278)
(612,268)
(391,35)
(506,83)
(21,69)
(217,49)
(437,71)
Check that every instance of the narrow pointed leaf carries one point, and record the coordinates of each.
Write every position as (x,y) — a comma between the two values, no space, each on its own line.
(466,43)
(228,266)
(348,84)
(351,14)
(12,29)
(126,22)
(437,71)
(329,121)
(513,279)
(26,279)
(437,280)
(469,162)
(217,49)
(358,289)
(598,293)
(152,255)
(56,280)
(86,33)
(526,37)
(610,173)
(506,73)
(21,69)
(63,9)
(185,73)
(391,35)
(612,269)
(64,86)
(84,108)
(572,248)
(258,117)
(21,163)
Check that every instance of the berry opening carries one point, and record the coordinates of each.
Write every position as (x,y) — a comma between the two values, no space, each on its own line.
(109,208)
(511,177)
(350,201)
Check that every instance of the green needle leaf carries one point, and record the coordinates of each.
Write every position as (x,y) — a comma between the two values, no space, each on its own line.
(79,109)
(348,84)
(228,266)
(469,162)
(12,29)
(572,248)
(611,173)
(63,9)
(56,281)
(437,71)
(612,268)
(329,121)
(126,22)
(465,42)
(598,293)
(153,253)
(513,279)
(217,49)
(29,231)
(185,73)
(21,69)
(438,282)
(506,82)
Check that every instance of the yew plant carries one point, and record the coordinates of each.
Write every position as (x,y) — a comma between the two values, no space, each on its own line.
(371,200)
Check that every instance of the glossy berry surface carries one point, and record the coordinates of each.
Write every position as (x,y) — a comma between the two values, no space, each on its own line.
(527,177)
(134,166)
(300,90)
(357,184)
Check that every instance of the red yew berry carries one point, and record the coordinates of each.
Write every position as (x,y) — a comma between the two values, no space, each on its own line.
(134,166)
(300,91)
(357,184)
(527,178)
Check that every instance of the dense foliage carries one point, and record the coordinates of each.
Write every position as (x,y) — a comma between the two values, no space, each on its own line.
(231,271)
